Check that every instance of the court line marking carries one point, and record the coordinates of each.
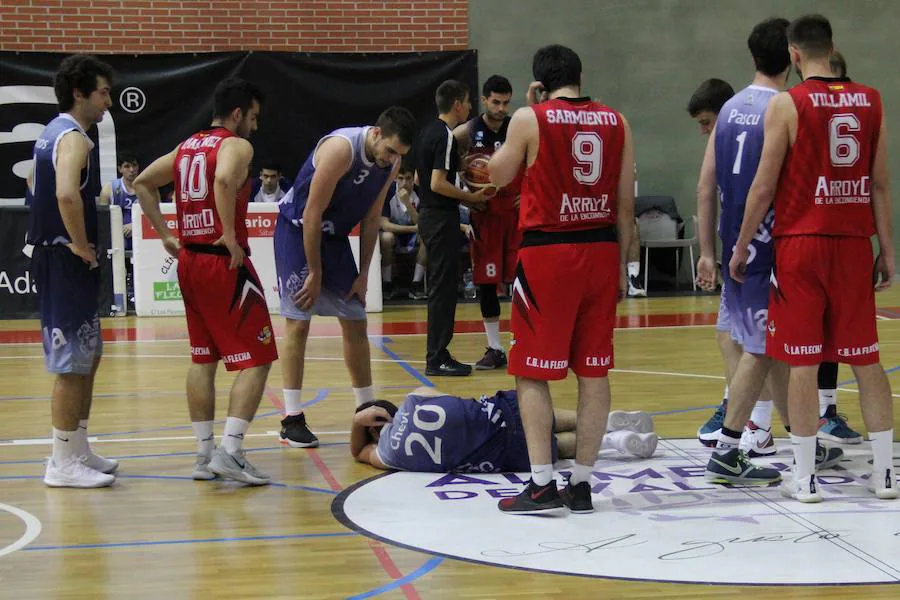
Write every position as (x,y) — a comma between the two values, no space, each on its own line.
(382,343)
(392,335)
(292,536)
(32,528)
(273,484)
(183,356)
(781,509)
(429,565)
(181,438)
(408,368)
(338,336)
(220,394)
(380,552)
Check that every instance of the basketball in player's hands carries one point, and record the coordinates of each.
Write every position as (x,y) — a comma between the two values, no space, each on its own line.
(475,172)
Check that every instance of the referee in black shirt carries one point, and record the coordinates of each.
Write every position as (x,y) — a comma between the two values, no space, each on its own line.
(437,163)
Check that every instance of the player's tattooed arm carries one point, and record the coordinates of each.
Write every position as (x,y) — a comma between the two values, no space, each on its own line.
(232,169)
(780,115)
(706,212)
(881,207)
(160,173)
(521,146)
(368,237)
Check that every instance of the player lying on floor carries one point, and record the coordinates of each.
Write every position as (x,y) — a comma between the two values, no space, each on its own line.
(433,431)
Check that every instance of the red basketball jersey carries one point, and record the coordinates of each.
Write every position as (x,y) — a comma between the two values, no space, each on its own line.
(484,140)
(574,182)
(825,186)
(195,198)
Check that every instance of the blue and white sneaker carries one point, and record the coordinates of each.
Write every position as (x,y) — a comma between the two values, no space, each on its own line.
(709,433)
(834,428)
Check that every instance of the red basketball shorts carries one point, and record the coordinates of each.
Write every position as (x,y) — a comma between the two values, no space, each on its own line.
(496,246)
(226,312)
(564,310)
(822,302)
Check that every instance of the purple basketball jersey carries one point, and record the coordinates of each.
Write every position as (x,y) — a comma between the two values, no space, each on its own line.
(739,142)
(447,434)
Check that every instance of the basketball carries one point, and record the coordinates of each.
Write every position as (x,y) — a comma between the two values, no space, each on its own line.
(476,173)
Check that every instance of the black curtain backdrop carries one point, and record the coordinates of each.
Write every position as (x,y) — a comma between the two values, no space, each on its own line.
(161,99)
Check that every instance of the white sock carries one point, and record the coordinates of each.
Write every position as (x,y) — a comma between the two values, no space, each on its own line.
(292,403)
(233,438)
(81,442)
(612,440)
(762,414)
(206,441)
(634,269)
(492,328)
(418,273)
(882,449)
(65,445)
(804,456)
(826,399)
(580,473)
(363,395)
(386,274)
(726,443)
(541,474)
(725,396)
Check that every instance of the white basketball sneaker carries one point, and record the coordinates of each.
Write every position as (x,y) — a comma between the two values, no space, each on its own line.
(883,484)
(756,441)
(642,445)
(635,420)
(74,472)
(802,490)
(99,463)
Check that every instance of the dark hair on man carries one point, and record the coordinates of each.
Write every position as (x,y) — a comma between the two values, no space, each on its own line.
(812,35)
(406,168)
(838,65)
(270,165)
(78,72)
(496,84)
(769,47)
(232,93)
(448,93)
(556,66)
(398,121)
(710,96)
(126,156)
(390,407)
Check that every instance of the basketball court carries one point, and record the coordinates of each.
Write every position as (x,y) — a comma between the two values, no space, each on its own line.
(330,528)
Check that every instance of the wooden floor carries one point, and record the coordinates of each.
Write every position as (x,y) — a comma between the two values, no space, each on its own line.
(157,534)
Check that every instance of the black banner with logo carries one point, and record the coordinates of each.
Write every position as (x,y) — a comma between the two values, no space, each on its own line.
(18,298)
(161,99)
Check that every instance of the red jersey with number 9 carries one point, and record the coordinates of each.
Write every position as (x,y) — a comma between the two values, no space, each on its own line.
(195,198)
(825,186)
(574,181)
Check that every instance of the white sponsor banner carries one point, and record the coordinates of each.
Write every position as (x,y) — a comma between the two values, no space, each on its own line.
(156,290)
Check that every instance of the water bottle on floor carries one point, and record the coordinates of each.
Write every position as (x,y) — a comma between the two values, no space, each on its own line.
(469,291)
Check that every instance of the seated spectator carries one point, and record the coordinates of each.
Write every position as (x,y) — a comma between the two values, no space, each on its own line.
(271,186)
(399,235)
(120,192)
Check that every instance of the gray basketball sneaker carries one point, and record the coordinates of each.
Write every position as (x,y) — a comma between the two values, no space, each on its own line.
(236,466)
(201,468)
(734,467)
